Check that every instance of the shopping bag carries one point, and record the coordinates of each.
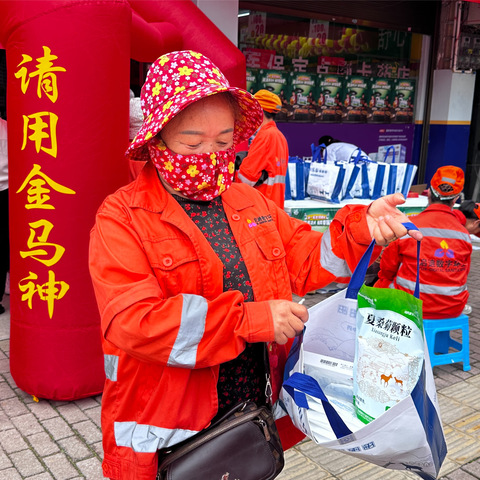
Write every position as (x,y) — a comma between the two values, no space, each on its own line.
(356,182)
(288,188)
(408,180)
(392,181)
(376,175)
(319,399)
(325,180)
(297,171)
(318,152)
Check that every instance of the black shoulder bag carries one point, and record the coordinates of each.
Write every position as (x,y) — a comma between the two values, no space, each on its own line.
(243,444)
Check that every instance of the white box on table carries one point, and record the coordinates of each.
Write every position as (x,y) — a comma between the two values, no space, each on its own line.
(400,153)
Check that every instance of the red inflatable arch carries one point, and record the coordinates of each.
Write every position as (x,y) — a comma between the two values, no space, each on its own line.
(67,98)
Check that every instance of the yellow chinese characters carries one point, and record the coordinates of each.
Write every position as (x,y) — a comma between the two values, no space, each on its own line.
(39,247)
(45,72)
(38,187)
(48,292)
(38,194)
(37,125)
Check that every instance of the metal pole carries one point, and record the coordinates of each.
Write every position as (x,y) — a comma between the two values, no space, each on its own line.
(422,163)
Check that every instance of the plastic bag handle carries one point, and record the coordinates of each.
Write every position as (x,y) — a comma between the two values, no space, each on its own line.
(298,385)
(361,156)
(391,148)
(358,276)
(317,153)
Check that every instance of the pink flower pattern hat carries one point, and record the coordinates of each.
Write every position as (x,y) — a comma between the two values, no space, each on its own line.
(175,81)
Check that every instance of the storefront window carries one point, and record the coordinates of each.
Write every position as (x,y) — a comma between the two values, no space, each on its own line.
(330,72)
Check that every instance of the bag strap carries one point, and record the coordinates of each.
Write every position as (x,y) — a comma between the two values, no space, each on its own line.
(361,156)
(298,385)
(317,151)
(355,159)
(391,148)
(358,276)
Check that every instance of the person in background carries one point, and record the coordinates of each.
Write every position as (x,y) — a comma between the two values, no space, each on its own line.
(4,228)
(337,151)
(445,251)
(265,166)
(135,122)
(468,213)
(194,273)
(135,116)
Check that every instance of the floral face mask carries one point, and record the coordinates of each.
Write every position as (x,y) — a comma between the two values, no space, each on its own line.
(202,176)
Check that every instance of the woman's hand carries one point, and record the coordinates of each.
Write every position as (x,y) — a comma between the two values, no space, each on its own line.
(288,319)
(385,220)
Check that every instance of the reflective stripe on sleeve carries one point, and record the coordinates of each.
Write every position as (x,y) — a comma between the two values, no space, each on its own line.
(192,327)
(269,181)
(431,289)
(147,438)
(274,180)
(329,261)
(244,179)
(443,233)
(111,367)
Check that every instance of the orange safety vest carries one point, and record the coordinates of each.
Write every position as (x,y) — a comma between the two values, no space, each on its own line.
(445,254)
(166,322)
(268,152)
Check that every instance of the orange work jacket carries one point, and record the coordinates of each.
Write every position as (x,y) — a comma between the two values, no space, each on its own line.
(268,152)
(166,322)
(445,254)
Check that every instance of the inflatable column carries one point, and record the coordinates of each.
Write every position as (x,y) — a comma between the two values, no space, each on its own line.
(67,101)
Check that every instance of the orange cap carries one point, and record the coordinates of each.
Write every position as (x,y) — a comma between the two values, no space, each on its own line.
(476,210)
(447,182)
(268,101)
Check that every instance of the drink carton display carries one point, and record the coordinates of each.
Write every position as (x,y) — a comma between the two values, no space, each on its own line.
(356,99)
(381,101)
(330,98)
(252,80)
(303,96)
(278,82)
(403,100)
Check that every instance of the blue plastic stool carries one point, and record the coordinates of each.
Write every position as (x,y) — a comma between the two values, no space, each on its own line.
(437,333)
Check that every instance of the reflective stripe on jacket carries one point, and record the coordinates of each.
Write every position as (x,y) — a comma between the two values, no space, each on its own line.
(445,254)
(166,322)
(268,152)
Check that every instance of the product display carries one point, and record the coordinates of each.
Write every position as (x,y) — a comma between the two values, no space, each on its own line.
(277,82)
(303,98)
(330,98)
(381,103)
(356,99)
(403,100)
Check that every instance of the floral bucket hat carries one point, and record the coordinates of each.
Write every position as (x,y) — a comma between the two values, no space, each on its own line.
(175,81)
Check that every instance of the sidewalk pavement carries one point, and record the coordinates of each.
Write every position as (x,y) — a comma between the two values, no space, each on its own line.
(62,440)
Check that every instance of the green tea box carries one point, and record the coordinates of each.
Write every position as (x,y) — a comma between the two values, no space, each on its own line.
(330,98)
(403,100)
(381,100)
(356,99)
(278,82)
(252,80)
(303,96)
